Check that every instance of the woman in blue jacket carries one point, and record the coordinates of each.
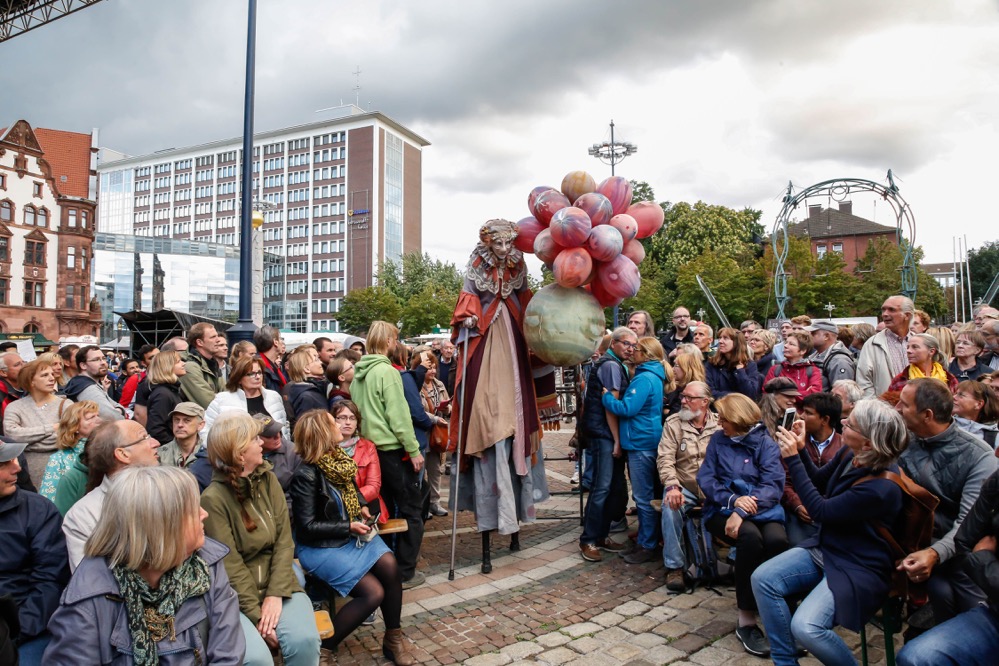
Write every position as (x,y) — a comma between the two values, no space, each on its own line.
(847,568)
(743,480)
(640,428)
(731,369)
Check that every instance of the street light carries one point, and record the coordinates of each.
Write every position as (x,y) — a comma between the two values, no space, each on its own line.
(612,152)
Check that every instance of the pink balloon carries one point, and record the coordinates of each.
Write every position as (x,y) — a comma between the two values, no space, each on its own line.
(545,246)
(547,204)
(649,215)
(605,243)
(573,267)
(619,278)
(532,198)
(618,190)
(528,230)
(597,206)
(603,297)
(570,227)
(627,225)
(634,250)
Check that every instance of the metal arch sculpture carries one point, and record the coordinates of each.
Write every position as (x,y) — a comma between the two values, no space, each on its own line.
(838,190)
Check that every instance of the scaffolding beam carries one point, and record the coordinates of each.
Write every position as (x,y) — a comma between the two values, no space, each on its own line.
(20,16)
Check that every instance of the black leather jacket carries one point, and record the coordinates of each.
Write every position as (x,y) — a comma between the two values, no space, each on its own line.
(320,520)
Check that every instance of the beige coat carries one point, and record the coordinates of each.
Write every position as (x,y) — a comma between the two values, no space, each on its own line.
(681,451)
(874,373)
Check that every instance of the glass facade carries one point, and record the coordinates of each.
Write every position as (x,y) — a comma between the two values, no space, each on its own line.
(150,274)
(116,210)
(393,197)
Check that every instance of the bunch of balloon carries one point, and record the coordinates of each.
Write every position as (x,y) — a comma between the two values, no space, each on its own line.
(588,235)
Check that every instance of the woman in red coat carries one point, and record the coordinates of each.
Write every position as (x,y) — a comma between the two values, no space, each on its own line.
(807,376)
(363,452)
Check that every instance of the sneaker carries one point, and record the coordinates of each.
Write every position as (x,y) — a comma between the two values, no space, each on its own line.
(640,556)
(590,552)
(619,525)
(611,546)
(675,582)
(370,620)
(419,578)
(574,479)
(753,641)
(447,469)
(438,510)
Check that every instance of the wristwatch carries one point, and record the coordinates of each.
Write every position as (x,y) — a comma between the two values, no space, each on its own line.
(672,488)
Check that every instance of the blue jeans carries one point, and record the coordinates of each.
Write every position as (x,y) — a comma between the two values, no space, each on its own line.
(643,471)
(970,639)
(30,652)
(790,573)
(608,479)
(296,632)
(672,528)
(798,530)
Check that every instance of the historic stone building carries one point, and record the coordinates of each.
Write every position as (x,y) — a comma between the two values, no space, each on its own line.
(47,217)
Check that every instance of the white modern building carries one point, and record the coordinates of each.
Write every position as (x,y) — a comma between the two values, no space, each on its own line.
(345,194)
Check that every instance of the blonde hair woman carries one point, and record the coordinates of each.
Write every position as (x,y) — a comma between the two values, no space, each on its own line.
(688,366)
(248,513)
(304,389)
(150,570)
(243,348)
(55,361)
(332,526)
(77,422)
(164,375)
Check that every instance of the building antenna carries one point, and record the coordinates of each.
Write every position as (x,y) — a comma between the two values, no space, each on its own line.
(357,86)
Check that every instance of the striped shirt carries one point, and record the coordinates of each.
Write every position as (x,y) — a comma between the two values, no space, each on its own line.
(897,359)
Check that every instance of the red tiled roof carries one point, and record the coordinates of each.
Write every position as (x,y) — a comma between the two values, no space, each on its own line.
(829,223)
(68,153)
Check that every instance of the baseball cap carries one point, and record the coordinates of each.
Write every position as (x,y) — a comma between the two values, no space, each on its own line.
(10,450)
(189,409)
(269,427)
(826,326)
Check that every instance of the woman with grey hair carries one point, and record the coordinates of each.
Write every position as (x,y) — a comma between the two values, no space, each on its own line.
(152,589)
(925,360)
(846,569)
(849,393)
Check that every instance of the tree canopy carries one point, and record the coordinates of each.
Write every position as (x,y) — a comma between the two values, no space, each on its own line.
(983,267)
(360,307)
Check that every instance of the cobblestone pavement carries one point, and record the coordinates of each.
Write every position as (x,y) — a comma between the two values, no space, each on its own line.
(545,605)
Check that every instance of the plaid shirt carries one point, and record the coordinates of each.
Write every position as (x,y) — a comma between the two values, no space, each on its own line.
(897,359)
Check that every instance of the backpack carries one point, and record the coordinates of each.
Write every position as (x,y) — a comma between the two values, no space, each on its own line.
(915,527)
(777,368)
(702,561)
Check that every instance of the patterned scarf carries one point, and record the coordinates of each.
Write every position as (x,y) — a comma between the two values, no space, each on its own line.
(151,612)
(340,470)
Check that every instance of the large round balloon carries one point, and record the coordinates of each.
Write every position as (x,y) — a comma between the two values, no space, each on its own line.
(532,198)
(634,250)
(619,278)
(597,206)
(570,227)
(605,299)
(528,229)
(547,204)
(649,215)
(605,243)
(563,326)
(618,190)
(545,246)
(573,267)
(626,224)
(577,183)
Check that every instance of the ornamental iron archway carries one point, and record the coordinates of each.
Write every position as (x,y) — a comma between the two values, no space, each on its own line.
(839,190)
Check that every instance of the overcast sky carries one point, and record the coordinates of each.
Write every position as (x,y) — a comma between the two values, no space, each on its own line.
(727,101)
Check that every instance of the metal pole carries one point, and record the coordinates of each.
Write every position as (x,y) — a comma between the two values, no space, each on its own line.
(244,327)
(613,162)
(954,249)
(960,281)
(967,276)
(456,468)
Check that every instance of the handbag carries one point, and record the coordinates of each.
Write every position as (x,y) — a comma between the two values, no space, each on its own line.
(438,435)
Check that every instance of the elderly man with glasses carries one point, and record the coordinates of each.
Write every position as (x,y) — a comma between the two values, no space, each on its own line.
(681,451)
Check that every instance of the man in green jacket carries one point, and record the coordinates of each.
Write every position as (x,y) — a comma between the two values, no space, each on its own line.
(203,379)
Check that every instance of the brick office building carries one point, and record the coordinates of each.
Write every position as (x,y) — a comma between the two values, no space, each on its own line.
(839,230)
(47,216)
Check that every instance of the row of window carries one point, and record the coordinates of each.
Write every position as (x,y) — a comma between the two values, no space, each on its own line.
(328,266)
(820,249)
(33,216)
(34,253)
(327,285)
(181,165)
(274,164)
(182,178)
(325,305)
(328,154)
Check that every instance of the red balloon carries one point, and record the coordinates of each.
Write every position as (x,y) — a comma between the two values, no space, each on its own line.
(634,250)
(605,298)
(545,246)
(649,215)
(532,198)
(597,206)
(619,278)
(627,225)
(618,190)
(605,243)
(570,227)
(547,204)
(573,267)
(528,230)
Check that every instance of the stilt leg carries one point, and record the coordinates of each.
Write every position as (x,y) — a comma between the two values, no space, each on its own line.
(515,541)
(487,565)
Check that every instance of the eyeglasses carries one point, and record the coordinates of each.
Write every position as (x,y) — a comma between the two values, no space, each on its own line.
(254,374)
(629,345)
(347,418)
(684,396)
(95,360)
(145,438)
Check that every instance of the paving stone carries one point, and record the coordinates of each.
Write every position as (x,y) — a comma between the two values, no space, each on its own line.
(715,628)
(684,601)
(662,614)
(696,617)
(671,629)
(557,656)
(648,640)
(553,639)
(638,625)
(608,619)
(598,659)
(585,645)
(663,654)
(490,659)
(689,643)
(522,649)
(711,656)
(581,629)
(655,597)
(612,635)
(632,608)
(624,651)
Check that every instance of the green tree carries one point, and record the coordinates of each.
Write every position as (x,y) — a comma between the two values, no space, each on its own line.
(415,273)
(983,267)
(732,287)
(880,277)
(360,307)
(690,231)
(432,306)
(654,296)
